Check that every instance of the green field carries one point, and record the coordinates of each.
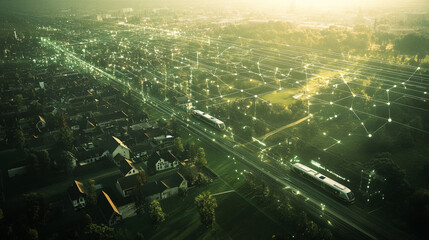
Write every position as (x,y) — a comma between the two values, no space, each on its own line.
(284,97)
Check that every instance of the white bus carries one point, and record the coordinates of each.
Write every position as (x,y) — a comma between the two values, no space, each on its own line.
(337,189)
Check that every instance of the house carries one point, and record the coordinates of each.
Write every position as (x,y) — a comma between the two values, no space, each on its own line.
(166,188)
(77,195)
(126,185)
(88,153)
(162,141)
(143,126)
(117,147)
(111,119)
(141,150)
(162,160)
(108,209)
(127,168)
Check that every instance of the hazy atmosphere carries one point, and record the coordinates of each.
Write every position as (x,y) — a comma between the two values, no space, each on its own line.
(229,119)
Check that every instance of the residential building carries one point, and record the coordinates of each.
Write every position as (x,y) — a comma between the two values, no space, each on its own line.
(77,195)
(162,160)
(166,188)
(108,209)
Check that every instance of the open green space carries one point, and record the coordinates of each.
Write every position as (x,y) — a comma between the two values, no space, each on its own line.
(284,97)
(183,220)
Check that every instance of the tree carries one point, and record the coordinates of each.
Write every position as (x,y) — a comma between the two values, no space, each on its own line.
(173,125)
(35,206)
(34,162)
(206,205)
(65,162)
(45,160)
(19,99)
(87,219)
(66,135)
(91,192)
(19,138)
(396,188)
(139,236)
(156,213)
(200,160)
(412,43)
(178,147)
(189,173)
(99,232)
(32,234)
(326,234)
(201,179)
(191,150)
(138,192)
(311,231)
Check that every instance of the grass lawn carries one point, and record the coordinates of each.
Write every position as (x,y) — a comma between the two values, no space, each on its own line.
(235,218)
(182,220)
(241,221)
(284,97)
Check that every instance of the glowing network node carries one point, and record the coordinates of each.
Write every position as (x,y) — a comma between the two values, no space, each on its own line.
(370,135)
(389,120)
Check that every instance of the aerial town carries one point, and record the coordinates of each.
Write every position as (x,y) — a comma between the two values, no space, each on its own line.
(214,119)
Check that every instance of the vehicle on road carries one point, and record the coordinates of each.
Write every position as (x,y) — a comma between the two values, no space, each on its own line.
(338,190)
(214,122)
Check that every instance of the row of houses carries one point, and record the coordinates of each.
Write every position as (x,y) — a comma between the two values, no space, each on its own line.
(131,182)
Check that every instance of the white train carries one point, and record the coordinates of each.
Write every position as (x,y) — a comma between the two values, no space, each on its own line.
(209,119)
(338,190)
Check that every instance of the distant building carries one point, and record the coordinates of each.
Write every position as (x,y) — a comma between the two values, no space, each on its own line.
(77,195)
(108,209)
